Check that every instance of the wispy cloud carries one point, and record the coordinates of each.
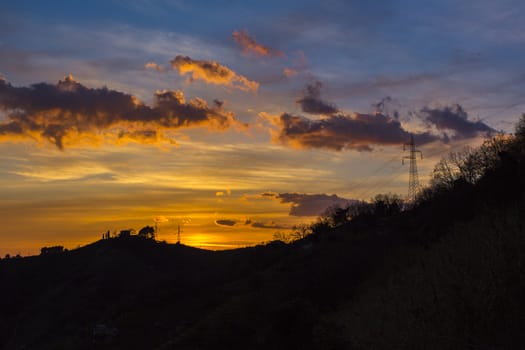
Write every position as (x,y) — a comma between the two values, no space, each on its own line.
(66,111)
(269,225)
(155,66)
(298,65)
(289,72)
(212,72)
(250,45)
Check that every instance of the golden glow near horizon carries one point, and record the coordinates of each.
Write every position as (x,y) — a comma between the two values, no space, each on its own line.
(71,197)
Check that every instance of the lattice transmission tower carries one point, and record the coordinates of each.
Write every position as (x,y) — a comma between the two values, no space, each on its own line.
(413,180)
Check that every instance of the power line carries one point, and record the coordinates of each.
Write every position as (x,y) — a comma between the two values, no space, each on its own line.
(373,173)
(367,185)
(414,184)
(381,183)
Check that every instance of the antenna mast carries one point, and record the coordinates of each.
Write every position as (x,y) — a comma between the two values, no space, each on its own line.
(413,180)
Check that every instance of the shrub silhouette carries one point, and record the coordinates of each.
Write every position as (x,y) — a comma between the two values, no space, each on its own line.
(147,232)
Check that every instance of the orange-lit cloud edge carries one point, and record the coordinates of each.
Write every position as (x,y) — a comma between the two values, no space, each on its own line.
(69,113)
(212,72)
(90,129)
(250,45)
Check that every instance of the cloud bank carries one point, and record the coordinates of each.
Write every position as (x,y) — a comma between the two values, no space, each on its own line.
(454,119)
(343,132)
(213,73)
(64,112)
(336,130)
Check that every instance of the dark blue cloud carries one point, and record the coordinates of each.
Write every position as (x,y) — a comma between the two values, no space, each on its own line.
(303,204)
(358,132)
(225,222)
(312,103)
(455,119)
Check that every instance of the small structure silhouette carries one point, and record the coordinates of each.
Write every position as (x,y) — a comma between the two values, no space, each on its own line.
(126,233)
(52,250)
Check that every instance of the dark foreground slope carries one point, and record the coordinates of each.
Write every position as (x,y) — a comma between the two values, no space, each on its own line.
(447,274)
(126,293)
(378,289)
(151,295)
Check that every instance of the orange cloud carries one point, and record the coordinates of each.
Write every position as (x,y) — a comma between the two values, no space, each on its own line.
(69,113)
(155,66)
(249,45)
(290,72)
(213,73)
(160,219)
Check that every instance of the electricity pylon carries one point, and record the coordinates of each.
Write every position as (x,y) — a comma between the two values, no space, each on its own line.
(413,180)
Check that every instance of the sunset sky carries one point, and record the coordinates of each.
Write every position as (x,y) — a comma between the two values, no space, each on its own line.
(236,119)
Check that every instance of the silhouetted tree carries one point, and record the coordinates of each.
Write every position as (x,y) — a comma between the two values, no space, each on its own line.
(334,216)
(300,232)
(147,232)
(519,135)
(470,164)
(358,209)
(447,171)
(281,236)
(385,205)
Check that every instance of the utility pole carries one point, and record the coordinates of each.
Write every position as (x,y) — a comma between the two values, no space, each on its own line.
(413,180)
(178,235)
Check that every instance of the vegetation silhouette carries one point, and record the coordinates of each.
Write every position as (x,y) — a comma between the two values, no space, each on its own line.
(147,232)
(445,271)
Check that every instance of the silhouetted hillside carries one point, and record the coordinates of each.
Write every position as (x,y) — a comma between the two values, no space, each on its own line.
(445,273)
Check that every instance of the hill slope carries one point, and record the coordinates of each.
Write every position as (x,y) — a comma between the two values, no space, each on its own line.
(447,273)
